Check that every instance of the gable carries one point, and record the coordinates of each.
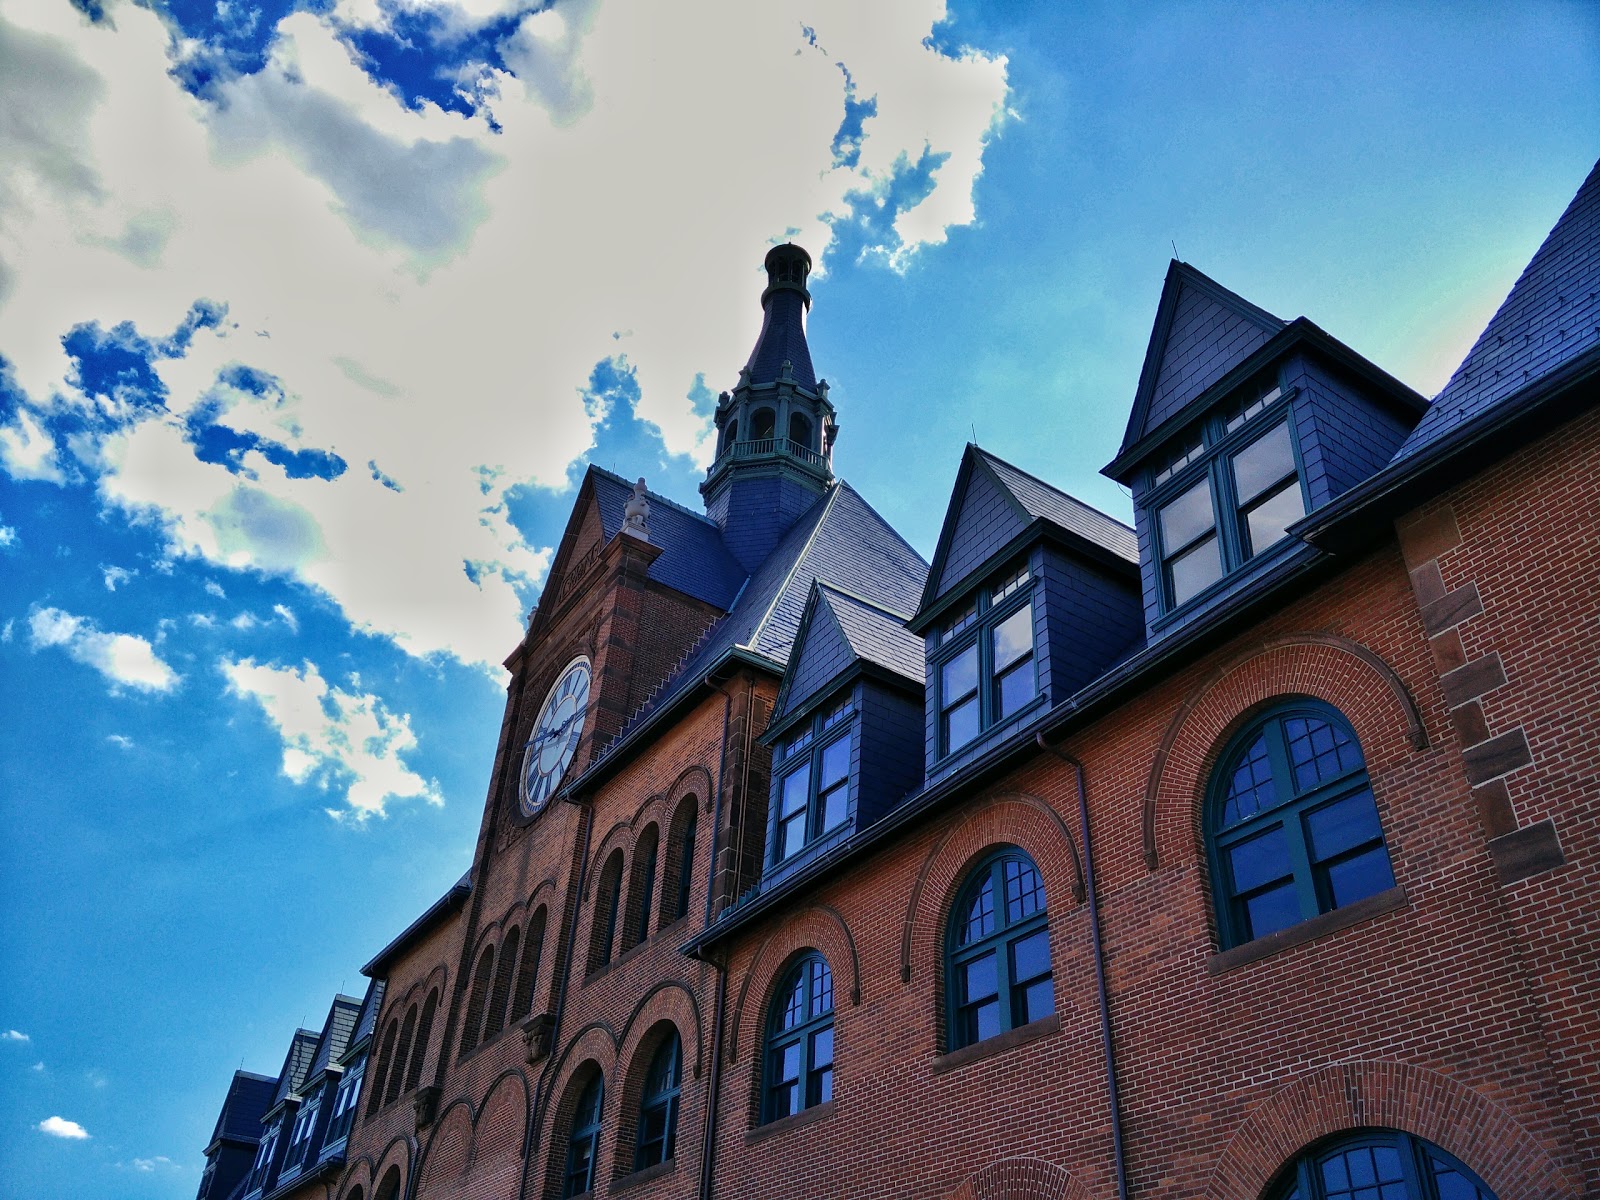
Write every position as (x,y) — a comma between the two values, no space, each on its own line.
(986,520)
(1202,331)
(822,653)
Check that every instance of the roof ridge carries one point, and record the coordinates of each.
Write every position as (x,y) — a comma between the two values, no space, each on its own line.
(783,587)
(654,495)
(1065,495)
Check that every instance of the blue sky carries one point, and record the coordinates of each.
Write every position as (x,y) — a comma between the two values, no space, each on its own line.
(311,314)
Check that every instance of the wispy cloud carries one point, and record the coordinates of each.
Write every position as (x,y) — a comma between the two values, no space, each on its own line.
(62,1128)
(14,1035)
(159,1162)
(38,1066)
(346,742)
(121,741)
(125,659)
(286,615)
(213,588)
(115,577)
(8,537)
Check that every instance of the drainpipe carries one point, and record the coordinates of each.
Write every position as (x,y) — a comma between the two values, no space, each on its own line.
(1099,963)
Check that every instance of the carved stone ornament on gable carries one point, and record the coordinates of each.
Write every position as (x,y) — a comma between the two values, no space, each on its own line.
(636,514)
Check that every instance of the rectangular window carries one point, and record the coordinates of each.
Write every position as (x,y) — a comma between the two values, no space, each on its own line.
(987,674)
(344,1101)
(813,793)
(1237,503)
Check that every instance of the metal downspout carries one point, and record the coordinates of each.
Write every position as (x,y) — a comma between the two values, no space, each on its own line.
(714,1083)
(1099,963)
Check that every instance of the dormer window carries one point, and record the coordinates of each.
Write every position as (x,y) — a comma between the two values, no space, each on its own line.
(984,666)
(1224,495)
(344,1100)
(813,793)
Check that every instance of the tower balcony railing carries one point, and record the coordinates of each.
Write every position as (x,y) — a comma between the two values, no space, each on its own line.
(769,447)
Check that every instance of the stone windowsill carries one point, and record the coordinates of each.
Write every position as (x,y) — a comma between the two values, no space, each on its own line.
(998,1044)
(643,1175)
(1308,931)
(806,1116)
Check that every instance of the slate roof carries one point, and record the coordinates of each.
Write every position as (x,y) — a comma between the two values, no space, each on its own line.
(693,559)
(249,1096)
(1040,500)
(841,540)
(877,635)
(1202,330)
(368,1020)
(1551,316)
(782,338)
(336,1031)
(296,1065)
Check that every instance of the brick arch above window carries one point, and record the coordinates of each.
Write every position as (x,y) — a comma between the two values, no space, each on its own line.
(1351,677)
(1021,1178)
(673,1001)
(818,928)
(1484,1135)
(1008,819)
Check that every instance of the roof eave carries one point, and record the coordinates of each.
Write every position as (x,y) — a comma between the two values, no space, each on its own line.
(441,908)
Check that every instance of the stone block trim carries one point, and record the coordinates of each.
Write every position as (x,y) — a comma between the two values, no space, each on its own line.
(1472,680)
(1496,757)
(1526,852)
(1451,609)
(1389,1095)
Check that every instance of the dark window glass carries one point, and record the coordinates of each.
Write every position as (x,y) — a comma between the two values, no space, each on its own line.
(482,980)
(645,883)
(658,1110)
(762,424)
(1376,1164)
(1014,683)
(1294,826)
(999,954)
(799,1044)
(985,662)
(813,792)
(584,1141)
(686,860)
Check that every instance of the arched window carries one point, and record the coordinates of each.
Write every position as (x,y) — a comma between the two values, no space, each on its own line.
(389,1187)
(1293,826)
(419,1051)
(658,1106)
(679,879)
(385,1064)
(731,436)
(481,979)
(799,1062)
(584,1141)
(644,886)
(528,973)
(495,1021)
(763,424)
(1376,1164)
(999,957)
(800,430)
(607,896)
(401,1053)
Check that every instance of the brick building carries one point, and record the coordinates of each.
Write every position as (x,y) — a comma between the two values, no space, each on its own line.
(1252,851)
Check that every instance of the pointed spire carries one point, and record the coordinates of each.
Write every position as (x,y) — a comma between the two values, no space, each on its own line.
(780,351)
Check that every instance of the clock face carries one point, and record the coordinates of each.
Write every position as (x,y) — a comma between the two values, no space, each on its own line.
(555,736)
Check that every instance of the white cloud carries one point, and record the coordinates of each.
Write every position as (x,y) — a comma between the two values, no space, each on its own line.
(343,741)
(123,658)
(115,577)
(435,294)
(8,631)
(38,1066)
(8,536)
(62,1128)
(286,615)
(213,588)
(245,620)
(14,1035)
(120,740)
(159,1162)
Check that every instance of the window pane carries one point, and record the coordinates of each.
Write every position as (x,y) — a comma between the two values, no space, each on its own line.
(835,763)
(1010,585)
(961,724)
(959,676)
(1014,689)
(821,988)
(1024,891)
(1013,638)
(1452,1184)
(1343,825)
(794,1004)
(964,621)
(1260,860)
(978,979)
(1251,789)
(796,787)
(822,1086)
(980,1021)
(1359,876)
(1187,517)
(791,835)
(1038,1000)
(980,913)
(1195,570)
(1269,519)
(834,806)
(1319,751)
(822,1048)
(1271,910)
(1262,464)
(789,1062)
(783,1100)
(1030,956)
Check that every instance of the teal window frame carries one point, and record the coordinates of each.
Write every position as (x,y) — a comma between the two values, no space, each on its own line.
(806,751)
(1383,1164)
(1294,807)
(799,1052)
(345,1099)
(1204,456)
(1015,926)
(583,1143)
(972,629)
(656,1140)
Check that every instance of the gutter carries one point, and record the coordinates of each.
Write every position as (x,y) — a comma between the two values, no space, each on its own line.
(1117,1152)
